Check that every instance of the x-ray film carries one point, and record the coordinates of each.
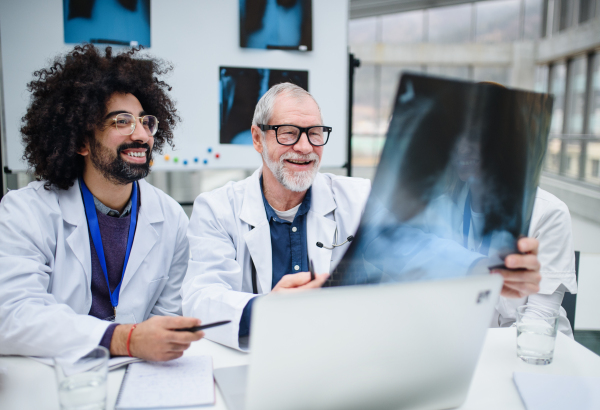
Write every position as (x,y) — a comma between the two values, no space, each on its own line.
(276,24)
(455,186)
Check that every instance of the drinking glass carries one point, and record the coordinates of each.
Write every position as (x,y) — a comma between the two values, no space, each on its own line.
(536,334)
(82,385)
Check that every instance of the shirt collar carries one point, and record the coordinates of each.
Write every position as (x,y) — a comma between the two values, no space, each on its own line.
(112,212)
(304,207)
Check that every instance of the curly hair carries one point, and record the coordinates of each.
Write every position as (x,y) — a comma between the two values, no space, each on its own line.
(69,100)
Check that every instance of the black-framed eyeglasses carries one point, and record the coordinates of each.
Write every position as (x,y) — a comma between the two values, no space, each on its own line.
(287,134)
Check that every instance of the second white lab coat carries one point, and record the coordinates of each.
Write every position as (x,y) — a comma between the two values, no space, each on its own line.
(46,270)
(218,283)
(550,224)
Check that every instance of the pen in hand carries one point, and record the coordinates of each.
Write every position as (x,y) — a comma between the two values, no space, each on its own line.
(201,327)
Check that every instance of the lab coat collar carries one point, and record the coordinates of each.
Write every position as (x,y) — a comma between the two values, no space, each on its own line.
(253,210)
(319,227)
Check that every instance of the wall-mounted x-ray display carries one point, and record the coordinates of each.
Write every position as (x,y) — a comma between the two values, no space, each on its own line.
(117,22)
(456,183)
(276,24)
(241,88)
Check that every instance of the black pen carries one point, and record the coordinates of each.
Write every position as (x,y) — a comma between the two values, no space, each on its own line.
(201,327)
(311,267)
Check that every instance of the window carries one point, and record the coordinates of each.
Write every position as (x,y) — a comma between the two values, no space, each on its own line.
(362,31)
(365,108)
(450,24)
(596,168)
(586,10)
(532,26)
(402,27)
(496,74)
(460,72)
(497,21)
(576,95)
(558,78)
(594,102)
(541,79)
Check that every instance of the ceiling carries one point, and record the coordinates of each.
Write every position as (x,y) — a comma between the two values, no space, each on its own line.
(368,8)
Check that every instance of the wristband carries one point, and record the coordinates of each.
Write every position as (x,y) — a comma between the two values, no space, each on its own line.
(129,340)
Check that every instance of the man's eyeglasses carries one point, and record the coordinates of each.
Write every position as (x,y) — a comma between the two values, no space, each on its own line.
(126,123)
(286,134)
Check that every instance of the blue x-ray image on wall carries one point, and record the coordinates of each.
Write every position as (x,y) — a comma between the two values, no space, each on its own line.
(455,186)
(117,22)
(241,88)
(276,24)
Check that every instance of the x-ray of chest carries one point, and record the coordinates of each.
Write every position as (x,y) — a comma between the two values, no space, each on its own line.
(456,183)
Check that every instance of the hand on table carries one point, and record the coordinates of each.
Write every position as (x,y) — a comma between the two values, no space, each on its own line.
(155,339)
(523,278)
(299,281)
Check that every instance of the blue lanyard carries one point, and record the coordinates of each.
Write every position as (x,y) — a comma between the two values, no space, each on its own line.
(486,241)
(92,218)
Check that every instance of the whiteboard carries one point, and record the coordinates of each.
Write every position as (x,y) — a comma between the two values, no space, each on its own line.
(197,36)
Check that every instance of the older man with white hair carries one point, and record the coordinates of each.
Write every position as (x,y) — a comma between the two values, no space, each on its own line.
(258,235)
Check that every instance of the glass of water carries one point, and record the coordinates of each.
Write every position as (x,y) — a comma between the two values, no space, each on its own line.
(536,333)
(82,385)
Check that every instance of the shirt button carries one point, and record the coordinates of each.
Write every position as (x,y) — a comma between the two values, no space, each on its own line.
(294,229)
(296,267)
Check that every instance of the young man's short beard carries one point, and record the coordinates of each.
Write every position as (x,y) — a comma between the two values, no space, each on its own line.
(115,169)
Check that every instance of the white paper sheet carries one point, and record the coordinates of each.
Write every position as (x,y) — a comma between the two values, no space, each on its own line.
(551,391)
(187,381)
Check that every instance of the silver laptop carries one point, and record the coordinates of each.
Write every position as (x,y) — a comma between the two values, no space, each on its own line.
(393,346)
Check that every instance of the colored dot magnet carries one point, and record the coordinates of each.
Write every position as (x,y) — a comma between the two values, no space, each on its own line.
(209,150)
(185,162)
(196,159)
(167,157)
(217,155)
(175,160)
(205,162)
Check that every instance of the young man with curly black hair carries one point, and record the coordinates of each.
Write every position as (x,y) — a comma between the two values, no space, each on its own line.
(91,254)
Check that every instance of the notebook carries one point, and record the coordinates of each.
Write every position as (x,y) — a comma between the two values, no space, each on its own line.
(553,391)
(187,381)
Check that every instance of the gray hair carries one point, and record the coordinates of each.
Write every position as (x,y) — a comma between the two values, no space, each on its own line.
(264,107)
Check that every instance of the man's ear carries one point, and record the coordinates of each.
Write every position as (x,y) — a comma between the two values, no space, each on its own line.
(257,140)
(85,150)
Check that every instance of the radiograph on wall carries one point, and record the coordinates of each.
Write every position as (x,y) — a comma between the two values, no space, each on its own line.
(117,22)
(241,88)
(276,24)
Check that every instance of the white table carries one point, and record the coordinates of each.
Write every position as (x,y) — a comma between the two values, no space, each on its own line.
(31,385)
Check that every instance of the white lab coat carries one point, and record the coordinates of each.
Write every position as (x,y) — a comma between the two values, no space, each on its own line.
(550,225)
(218,283)
(45,270)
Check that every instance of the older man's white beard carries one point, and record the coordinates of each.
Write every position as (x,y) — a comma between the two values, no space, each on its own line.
(294,181)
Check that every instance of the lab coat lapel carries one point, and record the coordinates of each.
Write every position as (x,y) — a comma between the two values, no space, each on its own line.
(319,227)
(73,212)
(258,240)
(146,236)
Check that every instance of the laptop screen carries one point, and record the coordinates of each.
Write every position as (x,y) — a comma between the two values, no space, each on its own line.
(455,185)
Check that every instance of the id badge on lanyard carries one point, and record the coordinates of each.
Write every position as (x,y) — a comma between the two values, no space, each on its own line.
(94,227)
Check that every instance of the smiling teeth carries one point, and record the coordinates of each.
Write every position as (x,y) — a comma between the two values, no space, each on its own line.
(298,162)
(136,154)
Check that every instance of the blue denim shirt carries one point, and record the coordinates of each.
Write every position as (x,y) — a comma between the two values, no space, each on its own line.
(288,249)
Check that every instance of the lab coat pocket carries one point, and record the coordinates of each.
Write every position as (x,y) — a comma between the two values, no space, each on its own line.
(155,288)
